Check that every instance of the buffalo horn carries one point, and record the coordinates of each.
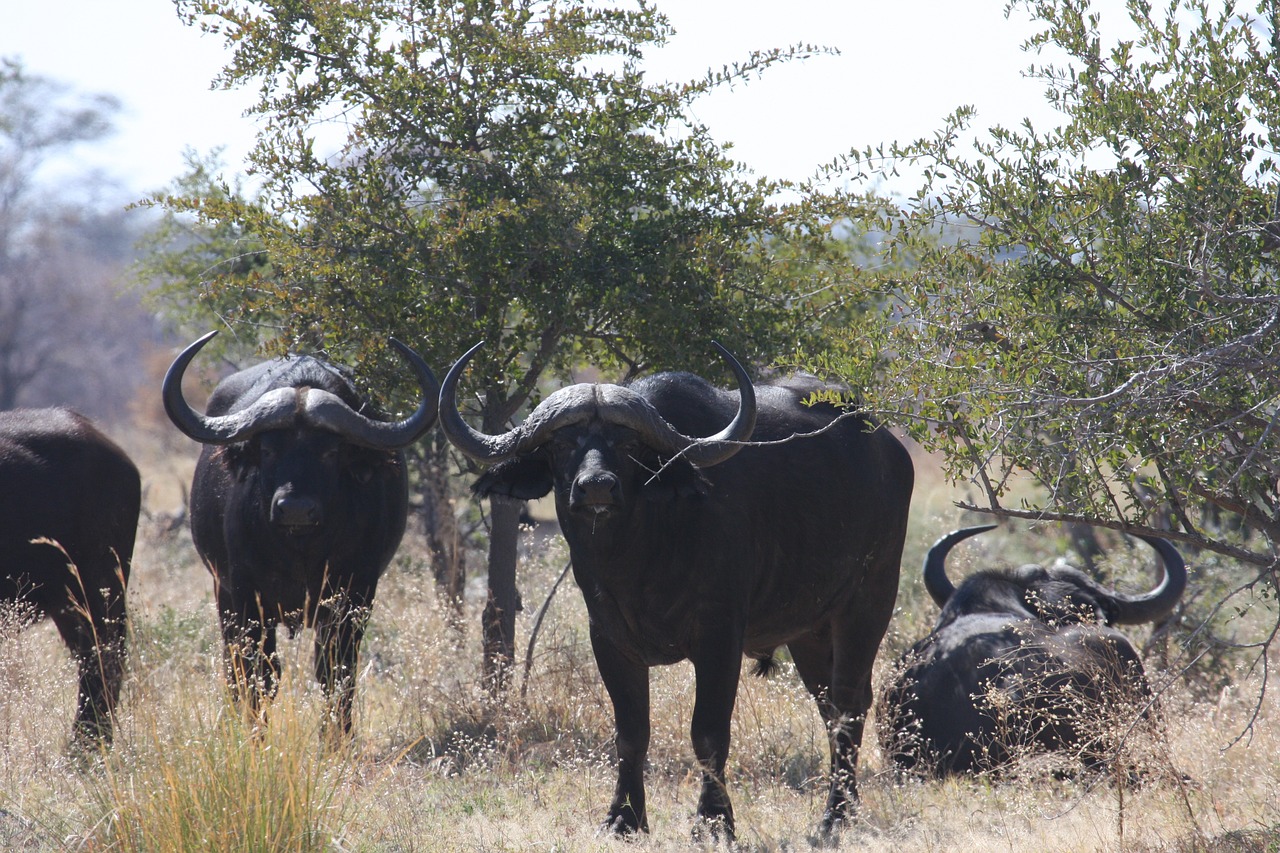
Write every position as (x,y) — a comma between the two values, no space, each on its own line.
(714,449)
(935,563)
(614,403)
(283,407)
(1138,609)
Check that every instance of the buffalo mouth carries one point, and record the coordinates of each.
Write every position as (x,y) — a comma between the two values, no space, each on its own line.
(595,510)
(298,530)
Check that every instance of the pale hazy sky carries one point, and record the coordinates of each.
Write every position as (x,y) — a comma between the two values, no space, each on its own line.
(903,66)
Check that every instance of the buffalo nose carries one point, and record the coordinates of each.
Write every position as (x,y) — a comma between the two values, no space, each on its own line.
(294,511)
(597,490)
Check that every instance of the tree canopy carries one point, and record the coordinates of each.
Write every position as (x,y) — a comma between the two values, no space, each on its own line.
(490,170)
(496,170)
(1097,305)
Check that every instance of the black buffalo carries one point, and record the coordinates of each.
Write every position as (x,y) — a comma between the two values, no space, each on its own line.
(69,502)
(706,550)
(1021,660)
(298,504)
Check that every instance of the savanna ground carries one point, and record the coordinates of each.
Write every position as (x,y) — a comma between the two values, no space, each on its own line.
(438,766)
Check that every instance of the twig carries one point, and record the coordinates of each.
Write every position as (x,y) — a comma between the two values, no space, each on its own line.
(537,626)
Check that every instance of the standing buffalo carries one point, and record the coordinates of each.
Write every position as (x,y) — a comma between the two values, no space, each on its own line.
(1021,660)
(298,504)
(706,550)
(69,501)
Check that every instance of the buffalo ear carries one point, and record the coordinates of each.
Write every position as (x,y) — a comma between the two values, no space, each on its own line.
(674,479)
(525,478)
(362,463)
(241,458)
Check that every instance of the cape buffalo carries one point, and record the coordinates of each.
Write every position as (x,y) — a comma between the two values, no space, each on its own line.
(1021,660)
(298,504)
(69,502)
(704,549)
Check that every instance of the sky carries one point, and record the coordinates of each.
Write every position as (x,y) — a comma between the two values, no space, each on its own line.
(903,66)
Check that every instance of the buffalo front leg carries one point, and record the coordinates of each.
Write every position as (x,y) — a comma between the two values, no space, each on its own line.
(339,630)
(627,683)
(249,655)
(716,674)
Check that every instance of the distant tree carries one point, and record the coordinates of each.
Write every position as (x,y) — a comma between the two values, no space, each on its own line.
(1107,319)
(67,333)
(496,171)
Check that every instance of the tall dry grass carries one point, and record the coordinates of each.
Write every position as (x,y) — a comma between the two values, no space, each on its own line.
(438,765)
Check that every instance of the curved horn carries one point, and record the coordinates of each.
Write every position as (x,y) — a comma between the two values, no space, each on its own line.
(935,569)
(1159,602)
(485,449)
(328,411)
(270,411)
(569,404)
(281,407)
(715,449)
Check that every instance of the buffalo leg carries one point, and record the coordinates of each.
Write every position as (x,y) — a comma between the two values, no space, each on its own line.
(249,646)
(95,634)
(844,713)
(339,630)
(628,685)
(716,676)
(814,660)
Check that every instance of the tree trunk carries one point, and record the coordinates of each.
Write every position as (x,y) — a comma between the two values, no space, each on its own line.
(440,524)
(500,610)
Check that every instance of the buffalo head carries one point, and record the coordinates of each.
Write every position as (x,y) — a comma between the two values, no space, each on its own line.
(1055,594)
(299,438)
(597,445)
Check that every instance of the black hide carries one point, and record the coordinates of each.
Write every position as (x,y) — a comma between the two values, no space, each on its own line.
(795,544)
(64,481)
(296,526)
(1020,661)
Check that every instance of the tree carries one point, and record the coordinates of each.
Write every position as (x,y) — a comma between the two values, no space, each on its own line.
(1107,317)
(503,172)
(67,335)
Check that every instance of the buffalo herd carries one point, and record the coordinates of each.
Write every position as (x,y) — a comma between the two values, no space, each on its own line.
(703,524)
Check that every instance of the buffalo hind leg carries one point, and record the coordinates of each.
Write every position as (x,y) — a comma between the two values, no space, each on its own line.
(98,645)
(627,683)
(844,718)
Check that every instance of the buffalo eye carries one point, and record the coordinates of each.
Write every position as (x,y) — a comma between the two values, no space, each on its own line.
(628,445)
(562,444)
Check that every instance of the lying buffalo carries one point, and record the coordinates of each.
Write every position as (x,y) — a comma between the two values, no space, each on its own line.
(298,504)
(704,549)
(1021,660)
(69,506)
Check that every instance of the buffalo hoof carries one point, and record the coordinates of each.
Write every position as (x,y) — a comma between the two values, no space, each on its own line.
(622,826)
(713,830)
(827,837)
(833,824)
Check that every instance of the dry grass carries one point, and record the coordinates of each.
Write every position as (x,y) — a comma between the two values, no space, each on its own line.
(437,766)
